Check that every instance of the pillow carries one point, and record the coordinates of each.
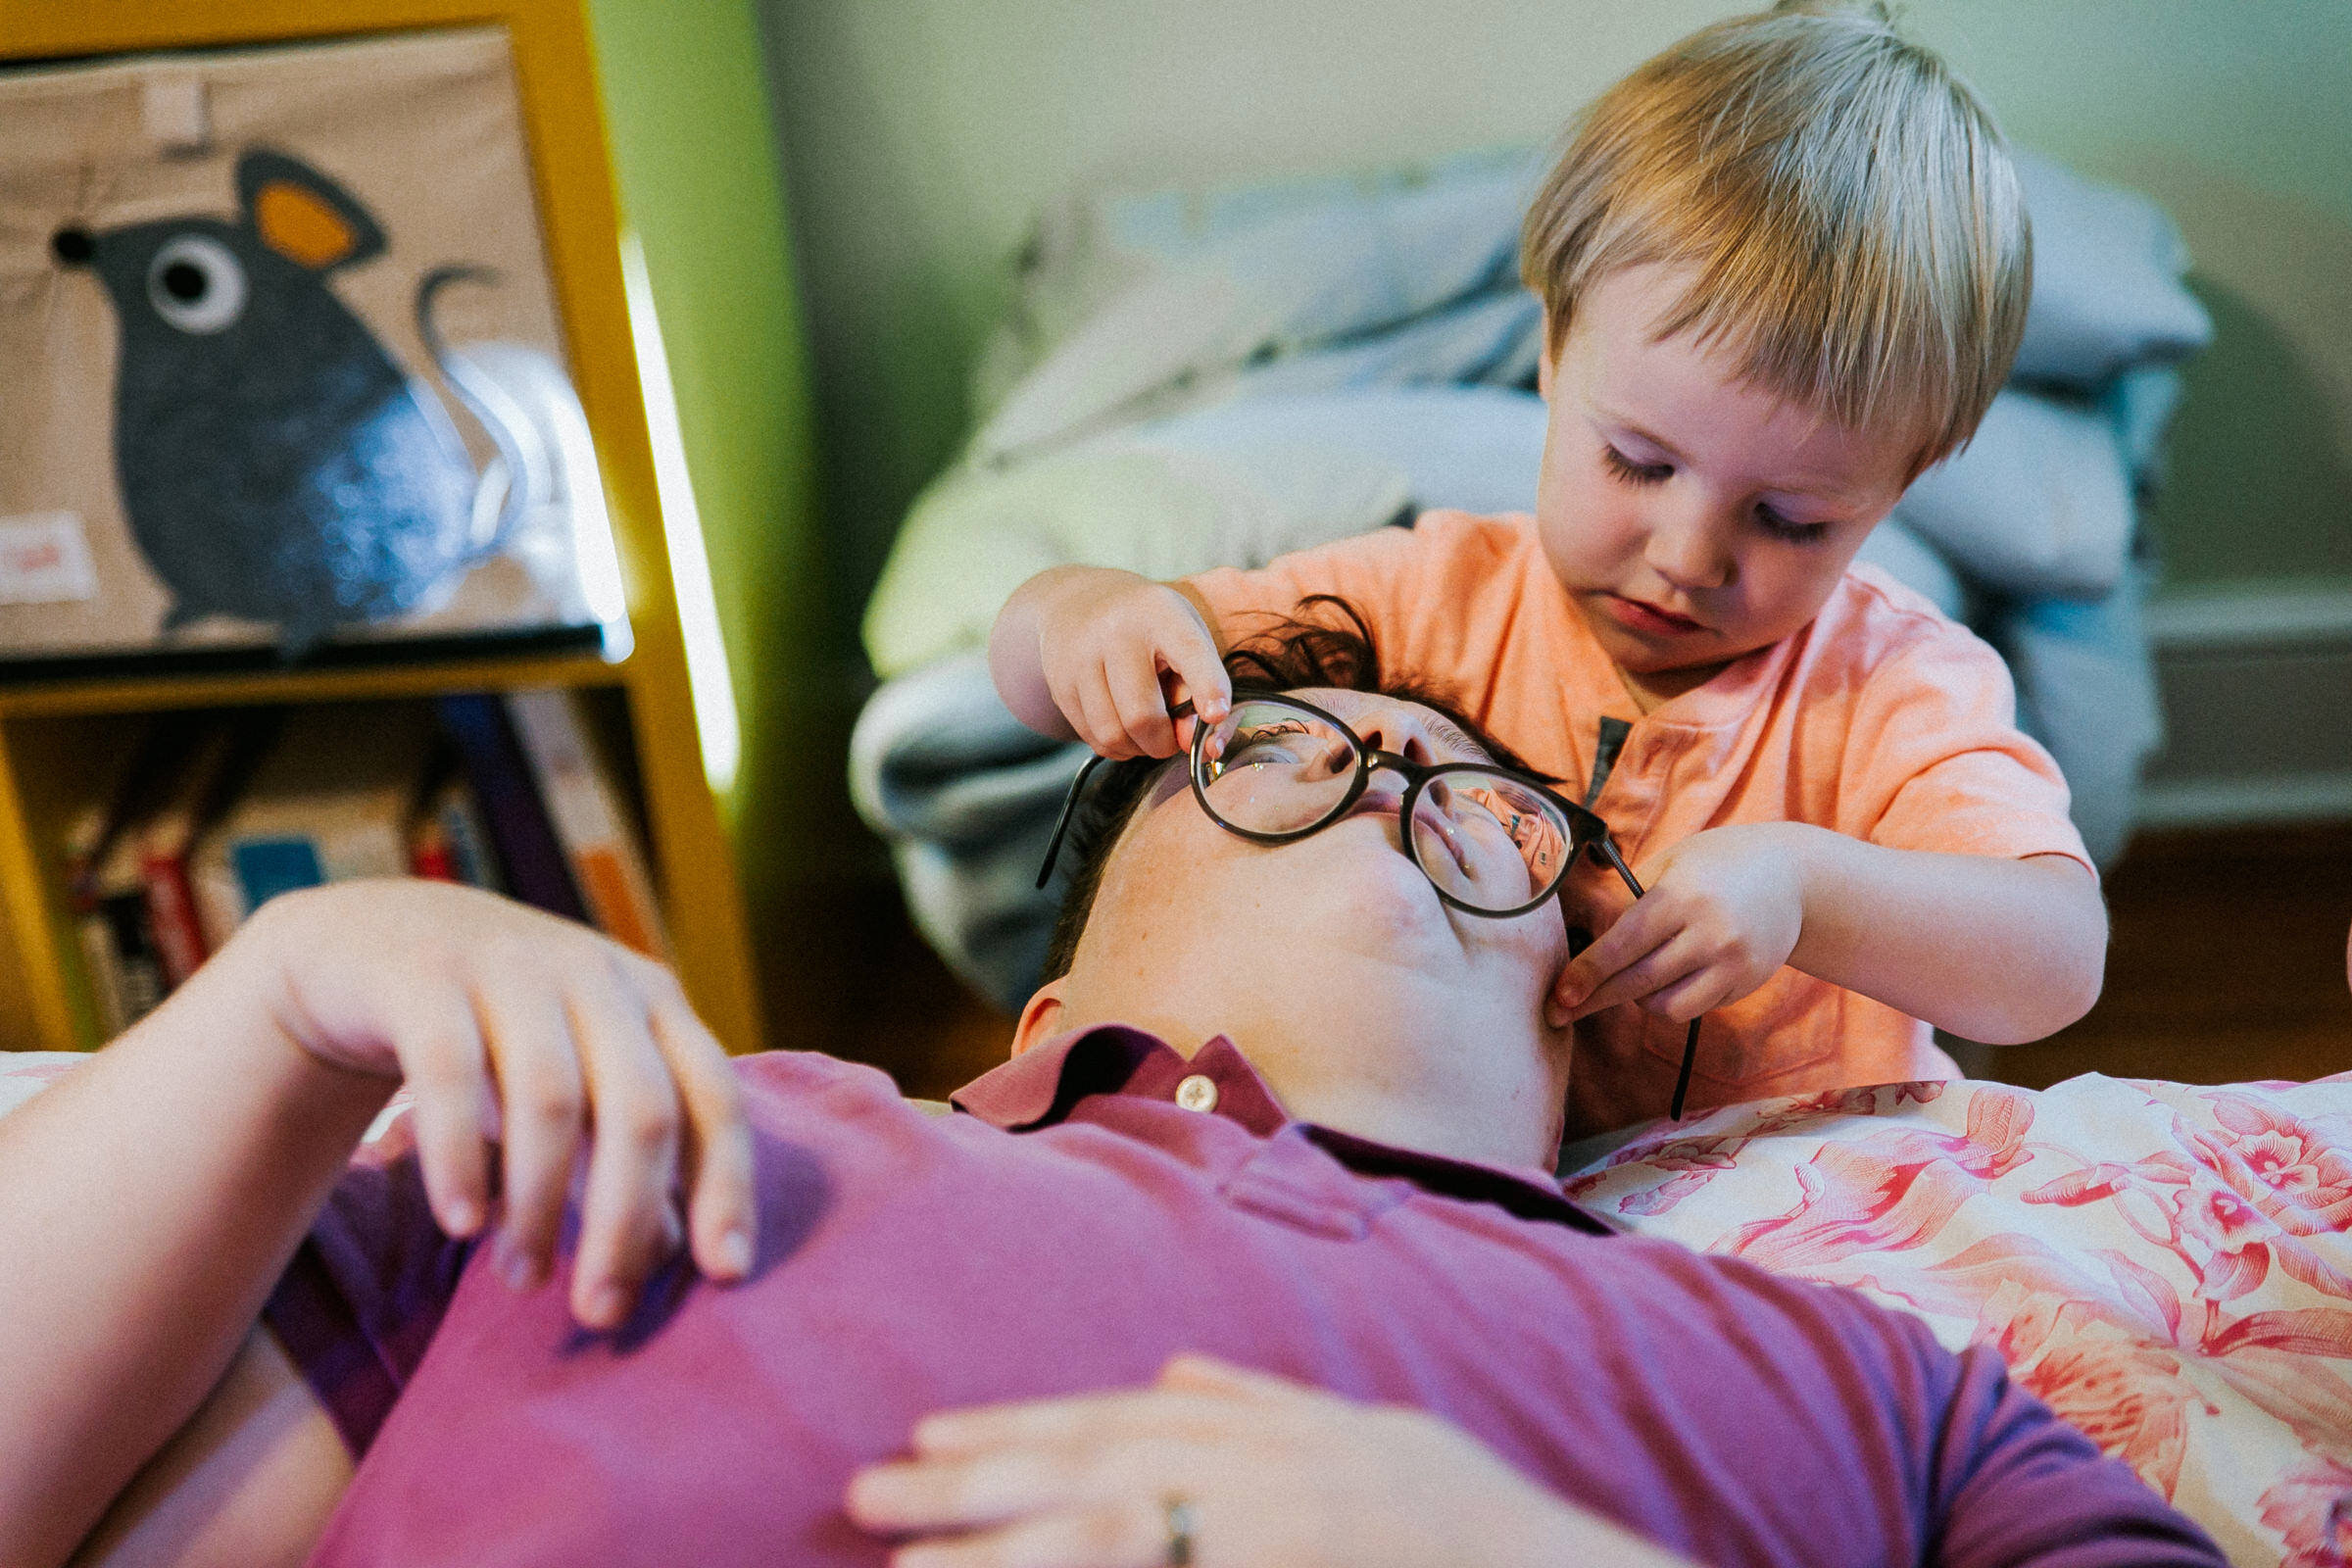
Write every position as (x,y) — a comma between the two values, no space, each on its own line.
(2107,291)
(2168,1266)
(26,1073)
(2038,503)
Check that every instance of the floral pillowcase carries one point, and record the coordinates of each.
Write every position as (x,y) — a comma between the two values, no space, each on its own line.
(2168,1267)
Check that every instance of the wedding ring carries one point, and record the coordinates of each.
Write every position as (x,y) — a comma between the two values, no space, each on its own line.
(1180,1532)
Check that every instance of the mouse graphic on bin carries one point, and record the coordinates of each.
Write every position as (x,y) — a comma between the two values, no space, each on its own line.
(276,463)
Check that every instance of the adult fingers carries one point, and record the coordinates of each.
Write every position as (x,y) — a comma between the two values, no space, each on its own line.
(440,1053)
(964,1492)
(721,1208)
(1128,1534)
(1194,1373)
(1087,1422)
(627,1225)
(1134,689)
(540,1108)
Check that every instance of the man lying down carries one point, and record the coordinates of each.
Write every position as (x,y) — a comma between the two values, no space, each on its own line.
(1287,1107)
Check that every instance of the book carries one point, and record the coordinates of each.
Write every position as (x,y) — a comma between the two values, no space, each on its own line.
(105,879)
(204,780)
(84,839)
(331,797)
(531,861)
(116,894)
(584,803)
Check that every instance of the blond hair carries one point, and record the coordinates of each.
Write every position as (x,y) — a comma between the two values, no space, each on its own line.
(1844,205)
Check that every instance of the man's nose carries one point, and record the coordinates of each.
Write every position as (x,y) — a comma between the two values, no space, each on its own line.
(1687,547)
(1398,732)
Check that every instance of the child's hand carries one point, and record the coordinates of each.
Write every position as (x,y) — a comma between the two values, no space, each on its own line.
(1720,912)
(516,1028)
(1109,645)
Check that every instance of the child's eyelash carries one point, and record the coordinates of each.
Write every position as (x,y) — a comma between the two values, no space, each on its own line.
(1632,473)
(1780,528)
(1795,534)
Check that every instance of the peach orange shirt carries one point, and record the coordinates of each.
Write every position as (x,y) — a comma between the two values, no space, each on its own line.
(1880,718)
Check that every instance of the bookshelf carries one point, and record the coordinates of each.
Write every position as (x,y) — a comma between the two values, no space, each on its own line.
(65,743)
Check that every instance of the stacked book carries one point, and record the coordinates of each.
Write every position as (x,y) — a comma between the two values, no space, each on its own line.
(220,812)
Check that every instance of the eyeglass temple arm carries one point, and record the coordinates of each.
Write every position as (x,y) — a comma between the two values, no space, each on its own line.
(1070,803)
(1061,823)
(1606,848)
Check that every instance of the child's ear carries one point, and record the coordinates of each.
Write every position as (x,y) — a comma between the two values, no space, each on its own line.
(1545,357)
(302,214)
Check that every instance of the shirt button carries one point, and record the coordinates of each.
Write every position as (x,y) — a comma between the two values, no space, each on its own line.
(1198,1092)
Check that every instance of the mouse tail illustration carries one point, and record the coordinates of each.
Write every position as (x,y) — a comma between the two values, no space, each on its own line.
(505,421)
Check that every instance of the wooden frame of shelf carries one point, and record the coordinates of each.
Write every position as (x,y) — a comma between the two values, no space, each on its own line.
(43,995)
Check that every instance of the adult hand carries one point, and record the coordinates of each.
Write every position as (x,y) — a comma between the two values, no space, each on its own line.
(515,1029)
(1720,912)
(1269,1474)
(1117,651)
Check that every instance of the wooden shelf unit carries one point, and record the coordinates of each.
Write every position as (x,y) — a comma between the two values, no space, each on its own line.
(61,743)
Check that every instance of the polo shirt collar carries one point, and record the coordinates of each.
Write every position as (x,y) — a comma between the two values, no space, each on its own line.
(1043,1085)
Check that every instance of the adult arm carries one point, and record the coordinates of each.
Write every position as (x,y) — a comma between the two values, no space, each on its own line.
(2017,1488)
(157,1193)
(1269,1472)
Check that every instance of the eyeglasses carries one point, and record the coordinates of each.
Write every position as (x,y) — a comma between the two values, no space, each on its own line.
(1493,841)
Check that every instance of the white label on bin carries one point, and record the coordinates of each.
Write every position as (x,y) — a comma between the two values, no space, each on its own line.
(45,560)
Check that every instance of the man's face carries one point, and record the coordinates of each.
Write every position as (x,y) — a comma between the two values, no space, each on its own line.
(1330,959)
(1694,519)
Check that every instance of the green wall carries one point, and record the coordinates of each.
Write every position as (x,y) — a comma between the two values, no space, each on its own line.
(922,134)
(694,139)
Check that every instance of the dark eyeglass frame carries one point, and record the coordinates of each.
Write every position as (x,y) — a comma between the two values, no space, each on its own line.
(1587,832)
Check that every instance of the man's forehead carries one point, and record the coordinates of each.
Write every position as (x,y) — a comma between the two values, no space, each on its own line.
(1348,704)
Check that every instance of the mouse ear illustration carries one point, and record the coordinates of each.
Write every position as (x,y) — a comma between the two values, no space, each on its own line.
(302,214)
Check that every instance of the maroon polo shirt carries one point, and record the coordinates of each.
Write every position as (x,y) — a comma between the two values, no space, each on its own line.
(1104,1205)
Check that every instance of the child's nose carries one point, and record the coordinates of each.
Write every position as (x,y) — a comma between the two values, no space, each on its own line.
(1687,548)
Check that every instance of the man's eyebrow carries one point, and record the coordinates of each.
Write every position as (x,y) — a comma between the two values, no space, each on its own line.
(1458,738)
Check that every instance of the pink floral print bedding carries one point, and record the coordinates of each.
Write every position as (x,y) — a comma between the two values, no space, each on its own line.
(2168,1267)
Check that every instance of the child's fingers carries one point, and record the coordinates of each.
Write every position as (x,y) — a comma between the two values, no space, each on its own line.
(1193,655)
(1670,961)
(1703,990)
(1134,688)
(1097,719)
(1637,932)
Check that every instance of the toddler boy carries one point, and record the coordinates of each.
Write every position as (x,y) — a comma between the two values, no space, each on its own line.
(1784,268)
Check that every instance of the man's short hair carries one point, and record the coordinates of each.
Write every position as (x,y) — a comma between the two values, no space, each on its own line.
(1854,229)
(1335,650)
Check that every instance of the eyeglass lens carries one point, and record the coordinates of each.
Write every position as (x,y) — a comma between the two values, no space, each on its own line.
(1485,839)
